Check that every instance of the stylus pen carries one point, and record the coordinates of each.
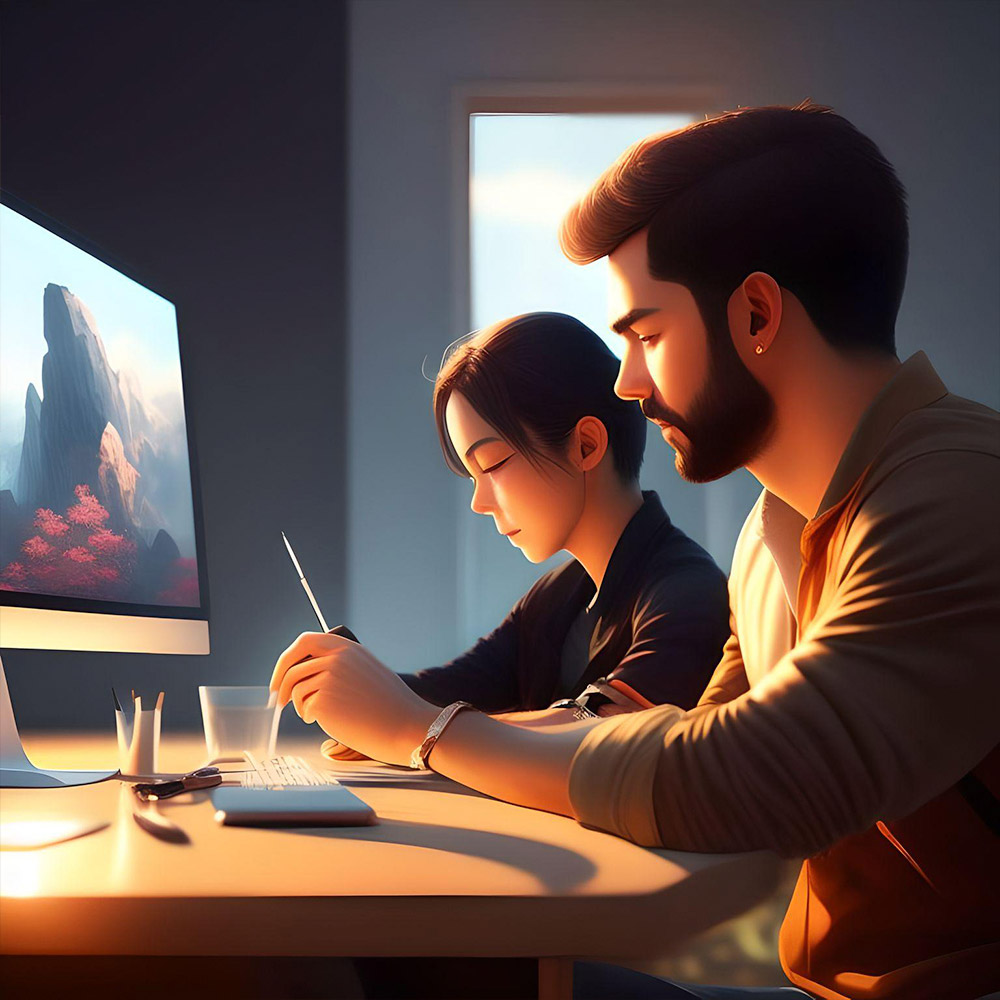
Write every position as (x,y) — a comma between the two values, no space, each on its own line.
(337,630)
(305,585)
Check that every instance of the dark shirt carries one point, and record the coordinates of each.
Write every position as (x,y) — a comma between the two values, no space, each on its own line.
(658,624)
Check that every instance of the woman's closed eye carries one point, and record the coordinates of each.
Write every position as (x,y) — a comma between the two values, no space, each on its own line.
(498,465)
(649,338)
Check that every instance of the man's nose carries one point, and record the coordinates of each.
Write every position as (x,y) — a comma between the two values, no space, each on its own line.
(633,376)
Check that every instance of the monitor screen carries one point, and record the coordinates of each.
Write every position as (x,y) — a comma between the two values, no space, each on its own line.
(98,505)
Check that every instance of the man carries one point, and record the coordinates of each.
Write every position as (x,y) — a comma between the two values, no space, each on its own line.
(758,261)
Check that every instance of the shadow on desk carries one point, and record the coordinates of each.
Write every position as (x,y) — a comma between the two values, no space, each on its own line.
(556,868)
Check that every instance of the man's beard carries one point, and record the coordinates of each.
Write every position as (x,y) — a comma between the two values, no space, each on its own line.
(730,419)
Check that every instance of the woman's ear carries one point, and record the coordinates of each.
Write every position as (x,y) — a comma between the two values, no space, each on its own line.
(590,443)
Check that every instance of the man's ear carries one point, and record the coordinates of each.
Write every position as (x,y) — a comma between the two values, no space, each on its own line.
(590,443)
(755,315)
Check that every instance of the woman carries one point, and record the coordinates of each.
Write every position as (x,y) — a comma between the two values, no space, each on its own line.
(526,410)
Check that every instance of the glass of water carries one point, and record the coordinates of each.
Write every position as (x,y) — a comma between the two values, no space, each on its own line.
(239,718)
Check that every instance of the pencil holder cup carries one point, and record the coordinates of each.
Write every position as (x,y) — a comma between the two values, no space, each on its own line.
(139,739)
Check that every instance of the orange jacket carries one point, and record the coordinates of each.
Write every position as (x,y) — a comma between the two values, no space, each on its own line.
(909,908)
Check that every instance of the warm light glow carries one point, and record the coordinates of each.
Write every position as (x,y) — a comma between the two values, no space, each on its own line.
(124,851)
(20,872)
(25,834)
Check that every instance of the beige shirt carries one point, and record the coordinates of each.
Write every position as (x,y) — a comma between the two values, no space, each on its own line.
(879,698)
(762,582)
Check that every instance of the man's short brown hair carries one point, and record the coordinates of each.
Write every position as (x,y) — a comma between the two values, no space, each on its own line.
(796,192)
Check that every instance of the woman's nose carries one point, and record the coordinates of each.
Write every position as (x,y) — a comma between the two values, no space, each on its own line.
(482,500)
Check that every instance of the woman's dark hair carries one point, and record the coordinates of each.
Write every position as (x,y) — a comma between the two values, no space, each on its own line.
(798,193)
(533,377)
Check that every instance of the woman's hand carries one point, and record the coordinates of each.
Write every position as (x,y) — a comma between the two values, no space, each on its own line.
(353,696)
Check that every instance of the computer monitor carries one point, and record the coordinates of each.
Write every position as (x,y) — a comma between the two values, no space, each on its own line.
(101,544)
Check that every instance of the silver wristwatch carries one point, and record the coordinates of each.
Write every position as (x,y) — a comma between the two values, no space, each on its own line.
(580,710)
(418,759)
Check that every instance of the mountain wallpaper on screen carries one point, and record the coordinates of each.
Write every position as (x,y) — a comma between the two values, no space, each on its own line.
(98,471)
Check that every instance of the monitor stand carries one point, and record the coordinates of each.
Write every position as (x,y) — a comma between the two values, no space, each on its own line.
(16,771)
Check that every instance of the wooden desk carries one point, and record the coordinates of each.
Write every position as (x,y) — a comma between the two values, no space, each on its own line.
(447,872)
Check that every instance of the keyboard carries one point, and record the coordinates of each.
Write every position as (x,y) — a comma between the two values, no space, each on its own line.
(284,771)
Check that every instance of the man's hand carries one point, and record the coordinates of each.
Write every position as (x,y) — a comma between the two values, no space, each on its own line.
(353,696)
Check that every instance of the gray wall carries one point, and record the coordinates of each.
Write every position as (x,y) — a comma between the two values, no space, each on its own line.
(920,78)
(203,143)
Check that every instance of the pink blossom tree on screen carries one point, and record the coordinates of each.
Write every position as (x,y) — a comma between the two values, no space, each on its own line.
(74,554)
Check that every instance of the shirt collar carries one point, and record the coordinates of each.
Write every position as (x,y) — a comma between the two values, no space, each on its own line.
(914,385)
(779,526)
(629,554)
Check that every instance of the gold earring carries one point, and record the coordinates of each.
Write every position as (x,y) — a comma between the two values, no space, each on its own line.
(759,349)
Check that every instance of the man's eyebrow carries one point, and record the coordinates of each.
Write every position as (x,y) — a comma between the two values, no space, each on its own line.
(622,324)
(473,447)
